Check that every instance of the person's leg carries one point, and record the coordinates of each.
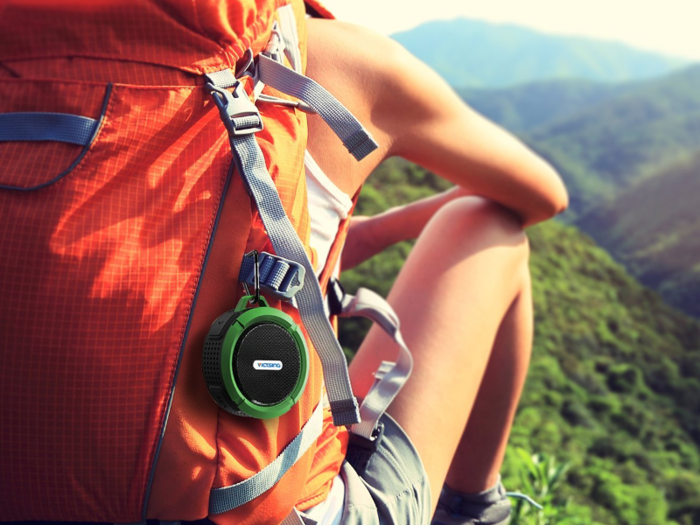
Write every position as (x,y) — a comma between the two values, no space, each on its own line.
(479,456)
(466,271)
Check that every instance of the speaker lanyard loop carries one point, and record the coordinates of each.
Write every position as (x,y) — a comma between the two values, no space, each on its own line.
(256,277)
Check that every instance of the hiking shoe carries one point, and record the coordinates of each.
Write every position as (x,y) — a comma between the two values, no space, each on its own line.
(491,507)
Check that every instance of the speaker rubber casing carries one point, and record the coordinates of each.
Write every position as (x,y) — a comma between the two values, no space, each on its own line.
(223,345)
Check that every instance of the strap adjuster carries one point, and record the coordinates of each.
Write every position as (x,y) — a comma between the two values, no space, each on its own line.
(281,278)
(336,293)
(360,449)
(238,113)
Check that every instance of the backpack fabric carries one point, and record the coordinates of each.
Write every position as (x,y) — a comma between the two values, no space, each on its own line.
(118,253)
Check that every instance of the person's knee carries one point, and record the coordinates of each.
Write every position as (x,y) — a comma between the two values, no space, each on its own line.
(477,220)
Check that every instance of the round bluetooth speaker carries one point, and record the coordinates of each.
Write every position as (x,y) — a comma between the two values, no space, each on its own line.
(255,361)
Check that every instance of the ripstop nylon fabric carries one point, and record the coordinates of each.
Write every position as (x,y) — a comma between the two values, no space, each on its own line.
(126,260)
(224,499)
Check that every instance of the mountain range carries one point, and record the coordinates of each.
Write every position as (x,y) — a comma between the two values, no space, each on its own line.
(654,229)
(473,53)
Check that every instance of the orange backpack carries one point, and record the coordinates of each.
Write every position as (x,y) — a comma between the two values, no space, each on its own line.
(124,223)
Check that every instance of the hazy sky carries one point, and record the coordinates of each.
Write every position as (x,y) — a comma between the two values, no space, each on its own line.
(668,26)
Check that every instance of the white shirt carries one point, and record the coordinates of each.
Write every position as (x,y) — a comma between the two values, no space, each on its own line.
(328,206)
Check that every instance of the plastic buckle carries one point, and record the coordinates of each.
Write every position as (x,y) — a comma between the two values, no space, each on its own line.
(281,278)
(360,449)
(336,293)
(236,107)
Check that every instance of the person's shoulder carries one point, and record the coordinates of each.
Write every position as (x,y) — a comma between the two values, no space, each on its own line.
(356,49)
(377,78)
(354,59)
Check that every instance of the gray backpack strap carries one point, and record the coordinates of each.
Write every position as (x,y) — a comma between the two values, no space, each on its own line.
(226,498)
(391,376)
(242,120)
(355,137)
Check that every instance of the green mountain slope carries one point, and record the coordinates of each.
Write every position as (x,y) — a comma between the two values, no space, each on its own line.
(529,106)
(473,53)
(624,138)
(615,376)
(654,229)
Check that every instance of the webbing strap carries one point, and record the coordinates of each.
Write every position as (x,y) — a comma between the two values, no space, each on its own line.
(57,127)
(226,498)
(294,518)
(391,376)
(251,165)
(279,277)
(355,137)
(290,36)
(223,79)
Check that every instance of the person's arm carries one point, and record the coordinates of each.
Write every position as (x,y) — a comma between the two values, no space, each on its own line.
(414,114)
(443,134)
(368,236)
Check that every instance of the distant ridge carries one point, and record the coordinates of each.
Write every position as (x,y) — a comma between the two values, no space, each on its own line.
(635,133)
(473,53)
(654,229)
(526,107)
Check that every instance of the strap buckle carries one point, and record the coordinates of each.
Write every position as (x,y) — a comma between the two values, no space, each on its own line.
(238,113)
(336,293)
(360,449)
(279,277)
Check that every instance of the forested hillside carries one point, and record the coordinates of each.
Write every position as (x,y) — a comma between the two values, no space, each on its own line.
(626,137)
(654,229)
(474,53)
(615,377)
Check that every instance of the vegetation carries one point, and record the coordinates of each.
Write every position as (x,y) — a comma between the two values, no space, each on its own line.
(654,229)
(614,381)
(473,53)
(625,138)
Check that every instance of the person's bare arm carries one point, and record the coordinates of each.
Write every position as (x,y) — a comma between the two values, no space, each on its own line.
(414,114)
(368,236)
(435,129)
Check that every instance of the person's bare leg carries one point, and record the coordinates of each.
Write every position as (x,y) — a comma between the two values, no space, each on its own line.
(465,272)
(480,453)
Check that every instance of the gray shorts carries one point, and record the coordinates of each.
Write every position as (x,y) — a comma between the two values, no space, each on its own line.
(393,489)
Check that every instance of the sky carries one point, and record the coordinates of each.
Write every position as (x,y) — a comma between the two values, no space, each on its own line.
(670,27)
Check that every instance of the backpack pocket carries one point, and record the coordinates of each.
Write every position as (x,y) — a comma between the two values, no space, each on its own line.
(103,246)
(47,128)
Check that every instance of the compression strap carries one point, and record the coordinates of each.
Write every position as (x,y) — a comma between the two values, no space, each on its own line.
(40,126)
(227,498)
(391,375)
(242,120)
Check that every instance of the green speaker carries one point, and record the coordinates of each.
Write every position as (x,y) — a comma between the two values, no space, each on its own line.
(255,361)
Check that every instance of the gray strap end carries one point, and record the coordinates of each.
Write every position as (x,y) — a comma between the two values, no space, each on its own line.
(345,412)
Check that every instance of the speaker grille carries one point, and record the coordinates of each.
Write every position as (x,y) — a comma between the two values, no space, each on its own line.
(268,342)
(211,362)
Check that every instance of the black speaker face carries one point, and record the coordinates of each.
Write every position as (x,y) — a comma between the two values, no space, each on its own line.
(267,364)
